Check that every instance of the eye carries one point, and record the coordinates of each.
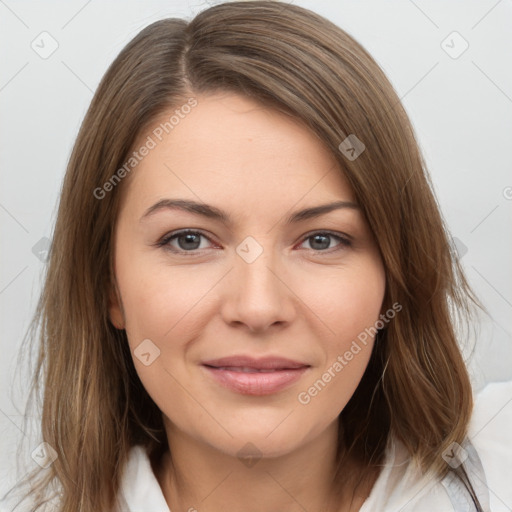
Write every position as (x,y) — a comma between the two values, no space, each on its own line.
(183,241)
(189,241)
(323,241)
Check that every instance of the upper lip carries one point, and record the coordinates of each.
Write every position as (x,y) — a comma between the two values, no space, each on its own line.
(263,363)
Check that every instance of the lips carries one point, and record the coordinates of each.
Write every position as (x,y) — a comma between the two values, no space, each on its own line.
(246,369)
(264,363)
(253,376)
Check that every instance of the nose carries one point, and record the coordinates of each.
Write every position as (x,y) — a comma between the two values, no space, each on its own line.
(257,295)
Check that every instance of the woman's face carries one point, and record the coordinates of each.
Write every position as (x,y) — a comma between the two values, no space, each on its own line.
(249,328)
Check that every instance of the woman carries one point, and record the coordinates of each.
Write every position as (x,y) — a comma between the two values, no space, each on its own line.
(250,289)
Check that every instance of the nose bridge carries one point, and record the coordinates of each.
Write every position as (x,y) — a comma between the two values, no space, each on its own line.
(258,298)
(258,277)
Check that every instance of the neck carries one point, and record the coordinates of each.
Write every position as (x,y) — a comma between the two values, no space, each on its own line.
(200,477)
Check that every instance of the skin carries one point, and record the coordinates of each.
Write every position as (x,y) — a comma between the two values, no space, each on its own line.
(296,300)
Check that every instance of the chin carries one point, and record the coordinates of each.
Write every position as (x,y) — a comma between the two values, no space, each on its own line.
(255,448)
(268,442)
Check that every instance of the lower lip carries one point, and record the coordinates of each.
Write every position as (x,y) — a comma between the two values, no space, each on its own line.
(256,383)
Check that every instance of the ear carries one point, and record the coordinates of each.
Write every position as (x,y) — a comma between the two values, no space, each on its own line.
(115,308)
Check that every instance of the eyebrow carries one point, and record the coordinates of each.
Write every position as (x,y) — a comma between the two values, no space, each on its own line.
(212,212)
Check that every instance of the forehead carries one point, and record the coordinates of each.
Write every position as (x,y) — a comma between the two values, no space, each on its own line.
(227,147)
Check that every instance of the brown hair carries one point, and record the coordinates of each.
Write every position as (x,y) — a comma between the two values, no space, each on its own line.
(416,387)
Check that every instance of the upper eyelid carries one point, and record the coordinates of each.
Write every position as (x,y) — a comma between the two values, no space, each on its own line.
(186,231)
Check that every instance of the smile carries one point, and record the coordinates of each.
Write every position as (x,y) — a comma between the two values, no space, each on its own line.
(246,369)
(250,376)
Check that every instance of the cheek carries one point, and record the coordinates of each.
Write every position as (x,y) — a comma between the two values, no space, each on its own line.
(169,307)
(158,300)
(350,306)
(349,301)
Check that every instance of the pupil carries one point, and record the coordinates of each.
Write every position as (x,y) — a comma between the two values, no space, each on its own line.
(190,243)
(321,242)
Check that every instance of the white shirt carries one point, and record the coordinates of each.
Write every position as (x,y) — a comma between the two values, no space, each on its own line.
(400,487)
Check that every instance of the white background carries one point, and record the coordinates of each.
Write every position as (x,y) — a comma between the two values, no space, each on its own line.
(461,109)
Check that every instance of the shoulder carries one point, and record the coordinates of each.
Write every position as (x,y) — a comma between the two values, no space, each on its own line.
(402,486)
(492,411)
(140,490)
(490,431)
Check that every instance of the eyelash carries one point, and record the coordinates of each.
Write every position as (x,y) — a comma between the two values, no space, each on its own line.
(344,241)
